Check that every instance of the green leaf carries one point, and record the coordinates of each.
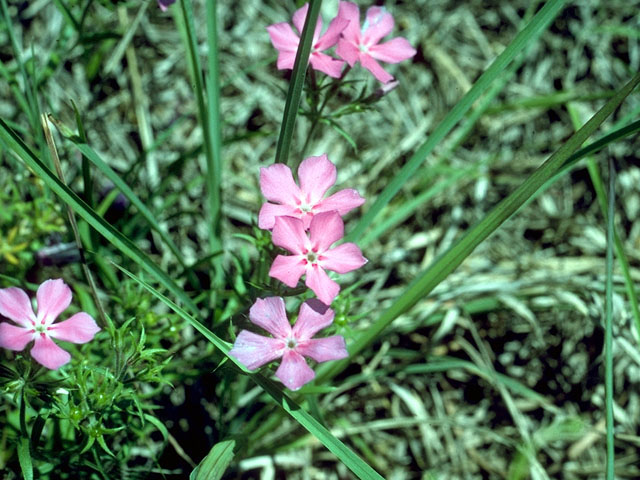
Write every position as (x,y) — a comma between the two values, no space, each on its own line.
(213,466)
(24,458)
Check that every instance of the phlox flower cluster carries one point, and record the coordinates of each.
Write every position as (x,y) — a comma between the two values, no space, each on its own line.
(53,296)
(354,42)
(306,223)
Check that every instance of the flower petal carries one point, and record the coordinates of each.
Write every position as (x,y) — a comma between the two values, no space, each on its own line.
(348,52)
(326,64)
(54,296)
(79,328)
(342,259)
(394,51)
(49,354)
(270,314)
(294,372)
(325,229)
(325,289)
(332,35)
(288,233)
(374,67)
(343,202)
(254,350)
(378,24)
(164,4)
(16,306)
(283,37)
(269,212)
(300,16)
(288,269)
(324,349)
(14,338)
(316,175)
(313,317)
(350,12)
(277,185)
(286,60)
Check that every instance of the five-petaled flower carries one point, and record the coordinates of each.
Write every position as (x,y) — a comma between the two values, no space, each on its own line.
(54,296)
(292,344)
(285,40)
(316,175)
(312,255)
(364,44)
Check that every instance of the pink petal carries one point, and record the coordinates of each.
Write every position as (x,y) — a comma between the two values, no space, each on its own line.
(54,296)
(16,306)
(316,175)
(348,52)
(324,349)
(14,338)
(270,314)
(350,12)
(332,35)
(326,64)
(394,51)
(325,289)
(343,202)
(288,269)
(313,317)
(49,354)
(269,212)
(326,228)
(253,350)
(79,328)
(374,67)
(288,233)
(299,18)
(294,372)
(277,185)
(286,60)
(283,37)
(378,24)
(342,259)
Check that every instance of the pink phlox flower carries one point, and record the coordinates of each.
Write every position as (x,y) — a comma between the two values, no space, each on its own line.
(164,4)
(292,344)
(286,41)
(364,45)
(316,175)
(53,296)
(312,254)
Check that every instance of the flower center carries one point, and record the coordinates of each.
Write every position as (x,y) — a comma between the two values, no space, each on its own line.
(291,343)
(40,328)
(312,257)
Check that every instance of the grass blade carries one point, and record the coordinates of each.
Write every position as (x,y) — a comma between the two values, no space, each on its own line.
(449,261)
(608,327)
(297,81)
(533,29)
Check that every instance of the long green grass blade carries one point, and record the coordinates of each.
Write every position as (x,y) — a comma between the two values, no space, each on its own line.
(213,466)
(119,241)
(354,463)
(531,32)
(212,176)
(449,261)
(608,327)
(297,81)
(214,169)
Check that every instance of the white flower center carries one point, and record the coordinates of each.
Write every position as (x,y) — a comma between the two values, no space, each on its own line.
(40,328)
(292,343)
